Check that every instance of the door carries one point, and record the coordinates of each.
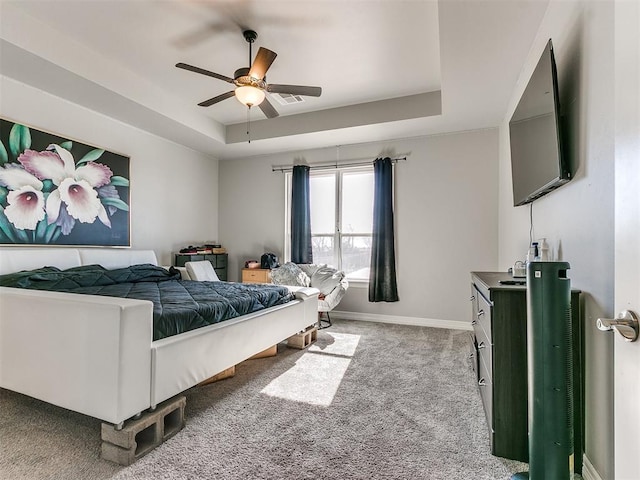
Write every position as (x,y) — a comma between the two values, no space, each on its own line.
(627,236)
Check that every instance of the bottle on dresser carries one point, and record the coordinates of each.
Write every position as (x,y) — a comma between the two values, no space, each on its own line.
(543,249)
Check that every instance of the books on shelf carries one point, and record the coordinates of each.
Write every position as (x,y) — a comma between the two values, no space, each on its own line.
(204,251)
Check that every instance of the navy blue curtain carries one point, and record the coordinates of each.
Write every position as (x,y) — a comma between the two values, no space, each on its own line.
(382,276)
(301,251)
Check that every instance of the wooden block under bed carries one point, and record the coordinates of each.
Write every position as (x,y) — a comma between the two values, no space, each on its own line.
(228,373)
(269,352)
(231,371)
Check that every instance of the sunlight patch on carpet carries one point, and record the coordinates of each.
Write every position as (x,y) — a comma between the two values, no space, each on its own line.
(344,344)
(316,376)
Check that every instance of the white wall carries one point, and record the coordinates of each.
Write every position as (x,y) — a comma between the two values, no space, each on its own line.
(174,197)
(445,214)
(577,219)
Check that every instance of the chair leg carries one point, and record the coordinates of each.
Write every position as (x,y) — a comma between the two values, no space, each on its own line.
(328,320)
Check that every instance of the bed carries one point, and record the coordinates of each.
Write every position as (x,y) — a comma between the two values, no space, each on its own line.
(96,354)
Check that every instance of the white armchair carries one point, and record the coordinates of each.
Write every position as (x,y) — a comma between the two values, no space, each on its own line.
(331,282)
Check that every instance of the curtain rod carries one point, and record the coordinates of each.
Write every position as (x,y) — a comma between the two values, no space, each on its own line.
(328,166)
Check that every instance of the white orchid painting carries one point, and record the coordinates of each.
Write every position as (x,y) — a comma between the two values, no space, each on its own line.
(58,192)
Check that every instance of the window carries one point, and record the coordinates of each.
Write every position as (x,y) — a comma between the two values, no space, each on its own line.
(341,219)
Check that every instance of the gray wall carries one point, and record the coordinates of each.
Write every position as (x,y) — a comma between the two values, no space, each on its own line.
(577,219)
(446,218)
(174,198)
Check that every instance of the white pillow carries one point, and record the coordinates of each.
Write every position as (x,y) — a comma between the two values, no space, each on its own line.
(202,271)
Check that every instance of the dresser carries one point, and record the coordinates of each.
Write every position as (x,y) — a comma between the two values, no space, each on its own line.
(256,275)
(218,261)
(498,353)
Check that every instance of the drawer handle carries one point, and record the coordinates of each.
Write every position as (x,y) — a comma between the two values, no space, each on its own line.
(480,312)
(473,297)
(482,382)
(471,355)
(474,322)
(481,345)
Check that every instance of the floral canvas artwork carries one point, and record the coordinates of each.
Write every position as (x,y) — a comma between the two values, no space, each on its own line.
(54,191)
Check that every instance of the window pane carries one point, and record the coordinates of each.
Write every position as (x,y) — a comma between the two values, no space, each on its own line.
(323,249)
(323,203)
(357,202)
(356,256)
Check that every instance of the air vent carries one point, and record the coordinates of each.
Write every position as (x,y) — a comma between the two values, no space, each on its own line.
(287,98)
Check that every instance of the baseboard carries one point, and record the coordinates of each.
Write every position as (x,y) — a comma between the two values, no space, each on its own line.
(419,322)
(588,470)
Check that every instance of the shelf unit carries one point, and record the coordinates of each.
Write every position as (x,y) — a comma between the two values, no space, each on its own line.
(219,262)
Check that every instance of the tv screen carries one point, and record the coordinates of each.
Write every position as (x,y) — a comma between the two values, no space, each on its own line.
(537,164)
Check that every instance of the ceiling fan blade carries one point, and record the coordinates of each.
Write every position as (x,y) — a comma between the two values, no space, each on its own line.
(295,90)
(202,71)
(268,109)
(219,98)
(261,63)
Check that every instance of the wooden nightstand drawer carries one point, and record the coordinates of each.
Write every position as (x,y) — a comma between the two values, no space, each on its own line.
(256,275)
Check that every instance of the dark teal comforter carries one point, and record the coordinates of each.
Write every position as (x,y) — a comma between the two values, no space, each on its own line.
(178,305)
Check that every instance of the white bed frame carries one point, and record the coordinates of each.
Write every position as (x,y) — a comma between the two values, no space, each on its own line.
(95,355)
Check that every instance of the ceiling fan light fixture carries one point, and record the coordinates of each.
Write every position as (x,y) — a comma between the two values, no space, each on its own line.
(250,96)
(251,82)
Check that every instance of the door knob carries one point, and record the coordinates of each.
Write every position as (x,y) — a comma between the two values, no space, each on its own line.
(626,324)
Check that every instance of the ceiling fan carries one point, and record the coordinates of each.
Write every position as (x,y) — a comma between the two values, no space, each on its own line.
(250,82)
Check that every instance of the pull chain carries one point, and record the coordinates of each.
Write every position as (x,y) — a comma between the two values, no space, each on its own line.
(249,122)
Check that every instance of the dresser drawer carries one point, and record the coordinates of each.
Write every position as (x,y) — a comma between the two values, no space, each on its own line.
(482,312)
(484,348)
(473,353)
(217,260)
(256,275)
(485,385)
(180,260)
(221,273)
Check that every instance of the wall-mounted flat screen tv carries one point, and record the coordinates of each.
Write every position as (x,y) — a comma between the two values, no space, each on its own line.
(537,163)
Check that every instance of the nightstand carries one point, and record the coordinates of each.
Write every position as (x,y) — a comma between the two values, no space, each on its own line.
(256,275)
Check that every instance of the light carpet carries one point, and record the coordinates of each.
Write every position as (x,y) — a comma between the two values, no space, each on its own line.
(367,401)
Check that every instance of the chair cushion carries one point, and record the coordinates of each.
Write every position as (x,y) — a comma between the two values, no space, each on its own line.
(326,279)
(202,271)
(311,268)
(290,274)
